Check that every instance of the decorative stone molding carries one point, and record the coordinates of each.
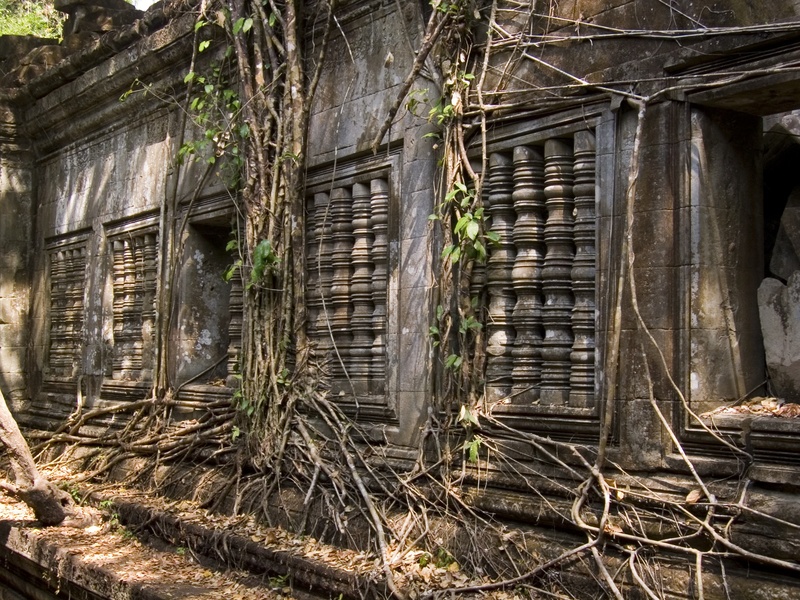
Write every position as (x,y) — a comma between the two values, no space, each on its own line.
(347,277)
(67,285)
(540,277)
(134,276)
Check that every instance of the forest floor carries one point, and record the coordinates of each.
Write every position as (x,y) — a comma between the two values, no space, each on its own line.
(110,554)
(128,550)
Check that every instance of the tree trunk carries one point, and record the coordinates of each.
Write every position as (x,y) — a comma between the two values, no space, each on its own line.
(50,504)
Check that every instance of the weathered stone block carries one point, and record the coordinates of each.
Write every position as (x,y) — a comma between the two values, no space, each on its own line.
(779,308)
(786,252)
(656,294)
(641,367)
(640,435)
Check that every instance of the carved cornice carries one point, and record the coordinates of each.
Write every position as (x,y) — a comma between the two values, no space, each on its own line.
(91,103)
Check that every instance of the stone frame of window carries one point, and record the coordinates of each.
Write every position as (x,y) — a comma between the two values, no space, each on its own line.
(773,443)
(573,416)
(344,203)
(67,261)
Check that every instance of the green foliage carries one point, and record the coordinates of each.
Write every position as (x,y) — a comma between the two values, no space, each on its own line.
(442,112)
(242,25)
(30,17)
(278,582)
(264,261)
(472,447)
(215,109)
(74,491)
(467,418)
(470,238)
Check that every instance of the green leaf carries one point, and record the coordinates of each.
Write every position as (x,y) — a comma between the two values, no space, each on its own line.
(473,228)
(202,46)
(467,417)
(200,24)
(462,222)
(473,447)
(264,259)
(247,25)
(272,19)
(453,362)
(480,250)
(232,245)
(237,26)
(231,271)
(493,237)
(189,77)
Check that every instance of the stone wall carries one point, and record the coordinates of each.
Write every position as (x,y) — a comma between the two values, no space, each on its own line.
(97,199)
(16,233)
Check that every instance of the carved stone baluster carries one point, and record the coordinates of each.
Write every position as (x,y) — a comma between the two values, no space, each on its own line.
(529,204)
(323,232)
(79,286)
(499,329)
(138,306)
(379,224)
(149,304)
(129,307)
(58,312)
(556,275)
(342,234)
(69,314)
(313,300)
(361,291)
(236,307)
(583,273)
(118,250)
(474,274)
(75,290)
(477,286)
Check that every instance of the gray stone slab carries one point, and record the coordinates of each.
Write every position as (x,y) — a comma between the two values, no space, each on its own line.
(779,309)
(786,251)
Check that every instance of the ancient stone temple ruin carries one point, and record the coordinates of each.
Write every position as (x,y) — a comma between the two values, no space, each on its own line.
(693,198)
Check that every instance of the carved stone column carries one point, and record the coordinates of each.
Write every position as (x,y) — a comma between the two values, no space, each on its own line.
(236,308)
(361,290)
(342,234)
(67,276)
(583,273)
(379,224)
(499,329)
(313,299)
(323,229)
(149,272)
(529,204)
(557,273)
